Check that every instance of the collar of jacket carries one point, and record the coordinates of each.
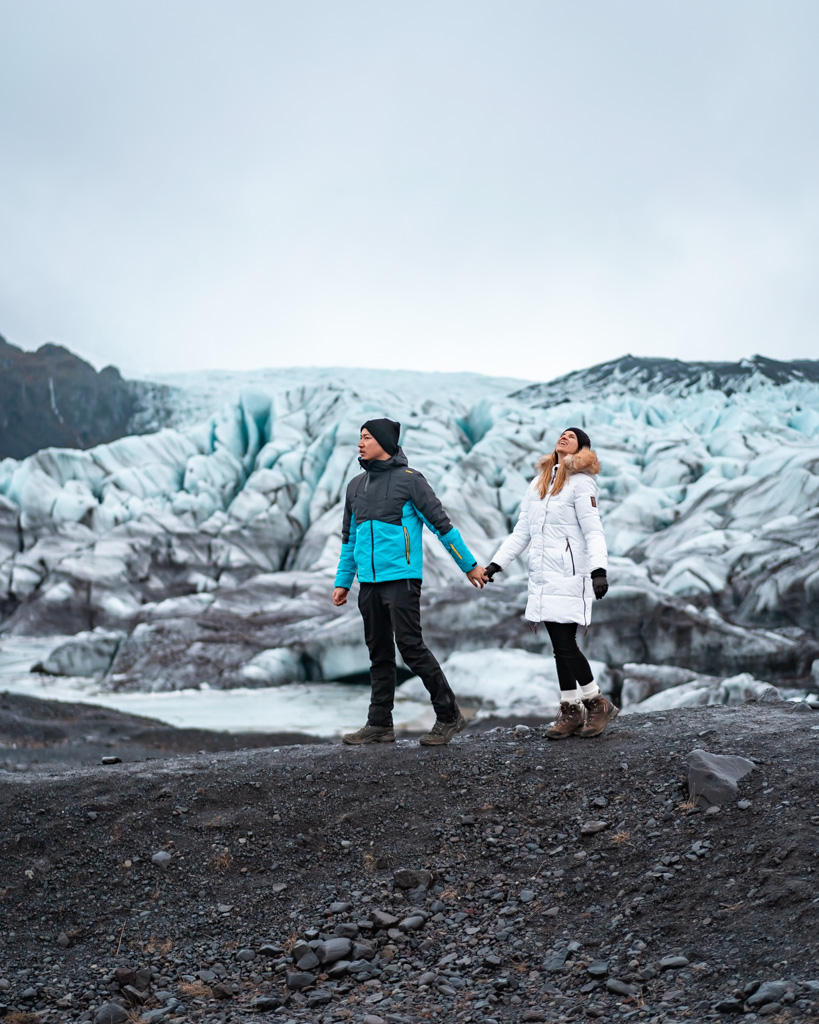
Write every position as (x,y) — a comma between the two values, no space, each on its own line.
(379,465)
(584,461)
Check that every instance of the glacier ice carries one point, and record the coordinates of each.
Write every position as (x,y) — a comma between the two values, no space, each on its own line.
(210,546)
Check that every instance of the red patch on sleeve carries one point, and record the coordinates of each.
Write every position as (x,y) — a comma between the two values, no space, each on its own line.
(594,501)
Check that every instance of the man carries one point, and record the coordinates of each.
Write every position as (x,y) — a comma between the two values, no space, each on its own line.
(385,510)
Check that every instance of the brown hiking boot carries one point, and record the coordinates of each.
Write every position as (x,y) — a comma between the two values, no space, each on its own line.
(370,734)
(442,732)
(599,712)
(569,719)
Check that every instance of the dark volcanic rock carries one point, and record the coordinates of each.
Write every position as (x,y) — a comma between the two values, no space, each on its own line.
(52,398)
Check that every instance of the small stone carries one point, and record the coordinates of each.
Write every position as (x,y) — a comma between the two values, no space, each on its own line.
(491,960)
(222,991)
(730,1006)
(413,923)
(339,908)
(308,961)
(621,988)
(381,919)
(372,1018)
(551,912)
(134,995)
(526,896)
(598,969)
(407,878)
(246,955)
(63,940)
(162,858)
(111,1013)
(769,992)
(672,963)
(533,1015)
(224,908)
(110,759)
(346,930)
(319,998)
(266,1003)
(743,805)
(427,978)
(297,980)
(333,949)
(591,828)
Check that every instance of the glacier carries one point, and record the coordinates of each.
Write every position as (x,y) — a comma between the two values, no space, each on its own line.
(203,554)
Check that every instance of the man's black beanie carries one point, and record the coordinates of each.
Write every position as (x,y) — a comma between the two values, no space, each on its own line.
(583,439)
(385,432)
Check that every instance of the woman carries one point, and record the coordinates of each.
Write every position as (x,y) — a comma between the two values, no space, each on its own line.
(567,564)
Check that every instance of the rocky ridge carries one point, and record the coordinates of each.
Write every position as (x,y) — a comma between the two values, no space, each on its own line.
(500,879)
(52,398)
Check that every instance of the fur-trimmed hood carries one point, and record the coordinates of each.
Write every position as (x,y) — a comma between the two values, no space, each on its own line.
(583,461)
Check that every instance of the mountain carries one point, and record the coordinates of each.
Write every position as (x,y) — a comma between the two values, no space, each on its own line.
(52,398)
(219,537)
(673,377)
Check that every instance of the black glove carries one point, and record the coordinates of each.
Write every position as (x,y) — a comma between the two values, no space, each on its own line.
(491,569)
(599,583)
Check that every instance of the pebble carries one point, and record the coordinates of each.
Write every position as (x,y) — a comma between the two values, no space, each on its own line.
(297,980)
(670,963)
(621,988)
(111,1013)
(333,949)
(413,923)
(162,858)
(406,878)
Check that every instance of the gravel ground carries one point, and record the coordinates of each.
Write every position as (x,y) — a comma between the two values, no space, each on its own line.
(501,878)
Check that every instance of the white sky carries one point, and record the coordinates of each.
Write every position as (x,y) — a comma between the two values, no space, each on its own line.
(515,187)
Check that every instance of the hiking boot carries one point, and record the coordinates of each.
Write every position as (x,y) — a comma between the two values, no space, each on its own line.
(370,734)
(599,712)
(442,732)
(570,718)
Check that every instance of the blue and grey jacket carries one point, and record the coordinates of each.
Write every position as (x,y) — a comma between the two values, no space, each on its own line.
(384,513)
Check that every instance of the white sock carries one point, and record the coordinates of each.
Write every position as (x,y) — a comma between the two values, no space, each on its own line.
(570,697)
(589,690)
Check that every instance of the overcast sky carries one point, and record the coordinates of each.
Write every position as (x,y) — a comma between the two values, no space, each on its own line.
(516,187)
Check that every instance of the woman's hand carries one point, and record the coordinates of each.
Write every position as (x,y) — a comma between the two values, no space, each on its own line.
(490,571)
(600,583)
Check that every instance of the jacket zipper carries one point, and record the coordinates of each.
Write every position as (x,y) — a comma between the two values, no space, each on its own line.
(571,555)
(407,544)
(372,547)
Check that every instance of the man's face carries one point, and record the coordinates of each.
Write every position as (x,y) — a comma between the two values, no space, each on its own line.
(369,448)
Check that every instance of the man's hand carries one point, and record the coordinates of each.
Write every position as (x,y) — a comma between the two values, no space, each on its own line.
(340,596)
(477,576)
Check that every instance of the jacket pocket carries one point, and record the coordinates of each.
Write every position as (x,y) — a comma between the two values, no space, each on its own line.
(568,559)
(407,544)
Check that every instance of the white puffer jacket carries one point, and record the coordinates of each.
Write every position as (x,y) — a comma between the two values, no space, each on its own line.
(567,542)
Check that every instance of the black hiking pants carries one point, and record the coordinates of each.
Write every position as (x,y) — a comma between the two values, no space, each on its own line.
(392,616)
(572,666)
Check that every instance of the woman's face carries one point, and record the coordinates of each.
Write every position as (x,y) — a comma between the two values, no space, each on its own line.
(567,443)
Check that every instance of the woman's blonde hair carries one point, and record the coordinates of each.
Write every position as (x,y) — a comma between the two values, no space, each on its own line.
(546,465)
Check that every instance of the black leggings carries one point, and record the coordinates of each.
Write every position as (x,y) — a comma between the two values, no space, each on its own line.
(572,667)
